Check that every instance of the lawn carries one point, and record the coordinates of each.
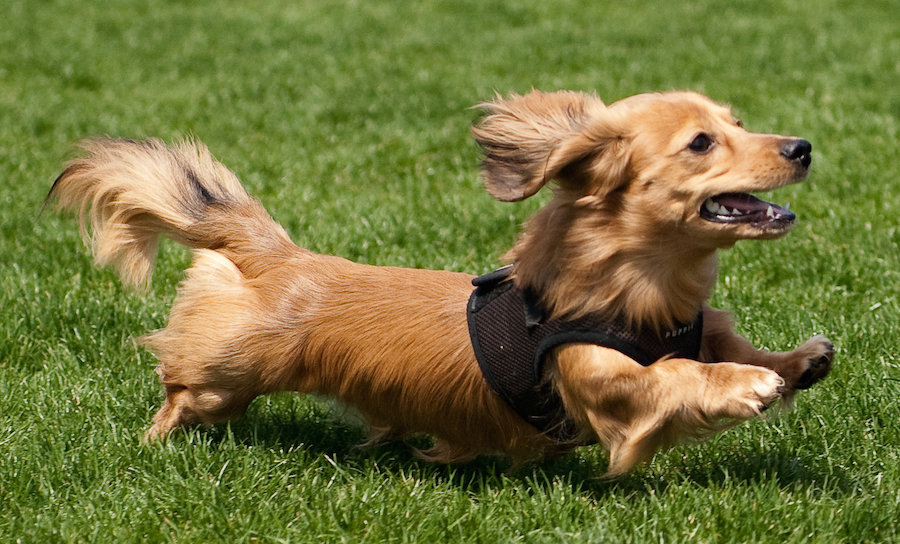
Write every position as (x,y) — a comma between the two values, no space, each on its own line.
(349,120)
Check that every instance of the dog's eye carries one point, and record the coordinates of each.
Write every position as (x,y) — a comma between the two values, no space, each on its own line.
(701,143)
(739,123)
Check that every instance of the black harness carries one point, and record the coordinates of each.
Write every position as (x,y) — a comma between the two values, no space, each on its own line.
(511,337)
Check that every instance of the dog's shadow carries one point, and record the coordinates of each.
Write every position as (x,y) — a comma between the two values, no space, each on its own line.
(319,428)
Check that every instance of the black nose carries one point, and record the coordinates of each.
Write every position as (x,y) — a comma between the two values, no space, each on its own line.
(798,150)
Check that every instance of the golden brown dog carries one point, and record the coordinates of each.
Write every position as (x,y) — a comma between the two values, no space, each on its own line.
(647,189)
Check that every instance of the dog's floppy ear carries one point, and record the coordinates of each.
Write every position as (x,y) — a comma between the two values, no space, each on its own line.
(531,139)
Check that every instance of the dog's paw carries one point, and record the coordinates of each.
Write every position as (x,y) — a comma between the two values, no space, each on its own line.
(764,390)
(745,390)
(814,361)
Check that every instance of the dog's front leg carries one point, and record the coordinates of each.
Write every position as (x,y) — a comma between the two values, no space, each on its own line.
(800,368)
(633,409)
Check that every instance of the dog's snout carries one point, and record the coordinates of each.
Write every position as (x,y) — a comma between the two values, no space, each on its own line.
(798,150)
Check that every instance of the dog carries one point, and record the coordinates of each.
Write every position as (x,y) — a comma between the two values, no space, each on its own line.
(646,190)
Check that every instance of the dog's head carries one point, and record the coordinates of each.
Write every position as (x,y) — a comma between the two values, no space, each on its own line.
(679,159)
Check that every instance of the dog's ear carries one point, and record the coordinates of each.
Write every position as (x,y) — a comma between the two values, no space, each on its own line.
(529,140)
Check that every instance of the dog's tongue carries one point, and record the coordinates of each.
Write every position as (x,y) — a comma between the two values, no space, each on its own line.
(744,202)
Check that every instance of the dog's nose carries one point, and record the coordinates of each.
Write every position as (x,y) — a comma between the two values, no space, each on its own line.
(798,150)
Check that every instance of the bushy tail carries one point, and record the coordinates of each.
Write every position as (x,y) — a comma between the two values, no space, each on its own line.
(128,192)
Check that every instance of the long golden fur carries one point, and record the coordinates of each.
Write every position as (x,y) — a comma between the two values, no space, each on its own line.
(646,190)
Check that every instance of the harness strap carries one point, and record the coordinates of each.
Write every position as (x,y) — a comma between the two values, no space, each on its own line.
(511,338)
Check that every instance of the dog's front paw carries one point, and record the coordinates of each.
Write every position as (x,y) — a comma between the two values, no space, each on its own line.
(765,389)
(814,358)
(745,390)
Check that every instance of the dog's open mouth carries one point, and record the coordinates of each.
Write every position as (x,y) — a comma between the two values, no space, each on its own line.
(745,208)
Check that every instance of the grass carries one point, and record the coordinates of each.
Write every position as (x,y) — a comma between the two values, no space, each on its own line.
(349,120)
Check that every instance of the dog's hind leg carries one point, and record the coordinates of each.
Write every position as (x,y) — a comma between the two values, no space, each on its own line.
(184,407)
(176,412)
(208,375)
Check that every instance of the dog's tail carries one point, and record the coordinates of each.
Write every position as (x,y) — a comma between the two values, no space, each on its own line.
(128,192)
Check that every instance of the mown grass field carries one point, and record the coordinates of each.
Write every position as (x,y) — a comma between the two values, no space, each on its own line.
(349,120)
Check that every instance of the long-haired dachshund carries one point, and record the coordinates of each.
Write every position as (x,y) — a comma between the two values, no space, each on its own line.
(598,331)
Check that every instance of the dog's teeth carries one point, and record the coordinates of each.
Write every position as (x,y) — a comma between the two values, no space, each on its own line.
(770,212)
(787,206)
(736,212)
(711,206)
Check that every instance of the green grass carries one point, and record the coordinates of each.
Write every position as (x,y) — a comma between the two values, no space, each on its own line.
(349,120)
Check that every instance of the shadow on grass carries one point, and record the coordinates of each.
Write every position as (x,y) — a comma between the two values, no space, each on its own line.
(319,429)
